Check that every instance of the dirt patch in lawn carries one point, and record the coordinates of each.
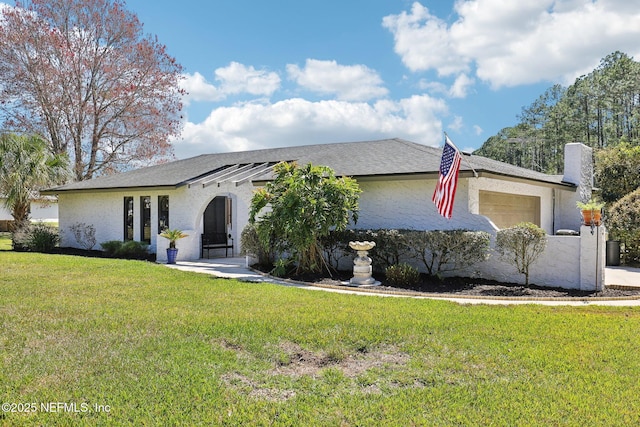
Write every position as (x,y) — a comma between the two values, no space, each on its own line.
(292,361)
(296,361)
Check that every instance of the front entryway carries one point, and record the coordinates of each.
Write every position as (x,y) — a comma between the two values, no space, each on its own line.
(217,227)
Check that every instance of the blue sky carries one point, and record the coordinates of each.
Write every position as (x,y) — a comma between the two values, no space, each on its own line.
(290,72)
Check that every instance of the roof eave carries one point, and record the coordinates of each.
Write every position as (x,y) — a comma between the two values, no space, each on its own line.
(462,174)
(512,178)
(59,190)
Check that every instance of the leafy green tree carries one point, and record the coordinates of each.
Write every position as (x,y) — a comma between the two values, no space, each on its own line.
(617,171)
(521,245)
(599,109)
(547,118)
(509,145)
(301,206)
(624,225)
(27,166)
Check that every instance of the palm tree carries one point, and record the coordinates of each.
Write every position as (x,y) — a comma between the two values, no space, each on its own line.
(27,166)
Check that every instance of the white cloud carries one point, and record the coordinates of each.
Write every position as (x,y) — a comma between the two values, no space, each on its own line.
(423,41)
(346,82)
(234,79)
(461,86)
(515,43)
(198,89)
(297,122)
(477,130)
(238,78)
(457,123)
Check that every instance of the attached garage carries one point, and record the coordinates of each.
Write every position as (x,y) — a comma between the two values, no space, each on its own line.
(506,210)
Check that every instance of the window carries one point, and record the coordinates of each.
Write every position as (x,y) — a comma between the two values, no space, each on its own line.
(128,218)
(145,219)
(163,213)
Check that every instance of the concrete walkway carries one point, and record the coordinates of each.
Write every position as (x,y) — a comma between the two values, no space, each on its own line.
(235,268)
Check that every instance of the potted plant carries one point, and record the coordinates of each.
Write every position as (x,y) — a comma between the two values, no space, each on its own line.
(172,236)
(591,212)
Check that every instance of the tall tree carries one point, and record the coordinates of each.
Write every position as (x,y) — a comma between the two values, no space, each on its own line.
(26,166)
(617,171)
(600,109)
(81,74)
(546,118)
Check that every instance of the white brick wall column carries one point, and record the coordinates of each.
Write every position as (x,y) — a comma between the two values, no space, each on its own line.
(592,258)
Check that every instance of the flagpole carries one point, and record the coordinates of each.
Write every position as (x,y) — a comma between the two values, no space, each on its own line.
(475,174)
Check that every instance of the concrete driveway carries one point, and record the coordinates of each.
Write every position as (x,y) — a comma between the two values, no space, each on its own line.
(622,276)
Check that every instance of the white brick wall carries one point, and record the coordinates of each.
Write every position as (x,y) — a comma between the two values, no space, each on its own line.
(402,203)
(105,211)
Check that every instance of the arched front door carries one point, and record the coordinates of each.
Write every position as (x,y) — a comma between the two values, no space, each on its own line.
(217,226)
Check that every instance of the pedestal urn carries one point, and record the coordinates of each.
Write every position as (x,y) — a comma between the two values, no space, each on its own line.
(362,264)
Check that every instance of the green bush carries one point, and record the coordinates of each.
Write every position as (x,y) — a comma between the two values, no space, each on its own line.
(133,250)
(302,205)
(36,238)
(335,246)
(391,245)
(624,225)
(439,251)
(521,245)
(126,250)
(252,245)
(447,250)
(402,275)
(111,247)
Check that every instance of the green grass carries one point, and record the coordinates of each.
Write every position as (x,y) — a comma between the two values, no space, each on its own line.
(5,241)
(164,347)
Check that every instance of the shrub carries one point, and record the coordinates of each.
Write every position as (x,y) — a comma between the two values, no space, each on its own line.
(304,204)
(521,246)
(402,275)
(281,267)
(133,250)
(439,251)
(36,238)
(84,234)
(335,246)
(20,238)
(448,250)
(111,247)
(391,246)
(253,245)
(624,225)
(126,250)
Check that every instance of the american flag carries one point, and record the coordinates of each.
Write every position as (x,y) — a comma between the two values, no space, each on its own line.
(448,179)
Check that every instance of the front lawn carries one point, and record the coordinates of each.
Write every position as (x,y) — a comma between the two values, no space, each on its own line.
(91,341)
(5,241)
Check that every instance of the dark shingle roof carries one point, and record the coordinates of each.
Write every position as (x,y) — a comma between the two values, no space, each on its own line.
(366,158)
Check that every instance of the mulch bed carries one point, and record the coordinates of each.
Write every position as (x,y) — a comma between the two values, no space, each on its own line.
(95,254)
(460,286)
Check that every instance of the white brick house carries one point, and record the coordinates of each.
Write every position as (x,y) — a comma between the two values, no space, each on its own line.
(211,194)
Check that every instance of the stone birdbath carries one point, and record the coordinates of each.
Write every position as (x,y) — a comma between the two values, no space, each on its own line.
(362,264)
